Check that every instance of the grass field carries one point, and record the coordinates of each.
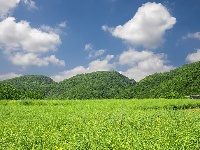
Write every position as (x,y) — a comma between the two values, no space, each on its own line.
(100,124)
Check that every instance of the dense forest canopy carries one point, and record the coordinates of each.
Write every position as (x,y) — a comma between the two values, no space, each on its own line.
(96,85)
(177,83)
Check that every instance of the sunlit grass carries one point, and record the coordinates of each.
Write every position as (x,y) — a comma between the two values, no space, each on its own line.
(100,124)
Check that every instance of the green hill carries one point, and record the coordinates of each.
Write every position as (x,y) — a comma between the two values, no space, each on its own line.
(31,83)
(96,85)
(177,83)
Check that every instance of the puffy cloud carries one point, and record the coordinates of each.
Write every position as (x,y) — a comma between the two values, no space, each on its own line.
(9,76)
(132,56)
(97,65)
(194,57)
(63,24)
(93,53)
(29,59)
(195,35)
(6,7)
(19,35)
(139,64)
(147,27)
(88,47)
(142,64)
(57,29)
(23,45)
(30,3)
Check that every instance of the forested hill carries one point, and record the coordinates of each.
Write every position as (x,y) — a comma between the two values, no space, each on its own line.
(31,83)
(96,85)
(177,83)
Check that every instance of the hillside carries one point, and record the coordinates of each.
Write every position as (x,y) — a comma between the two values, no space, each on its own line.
(31,83)
(96,85)
(177,83)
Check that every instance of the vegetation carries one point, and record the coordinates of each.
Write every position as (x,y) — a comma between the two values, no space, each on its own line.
(96,85)
(8,91)
(24,87)
(30,82)
(177,83)
(114,124)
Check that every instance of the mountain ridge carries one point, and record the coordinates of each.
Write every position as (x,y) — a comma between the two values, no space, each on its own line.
(177,83)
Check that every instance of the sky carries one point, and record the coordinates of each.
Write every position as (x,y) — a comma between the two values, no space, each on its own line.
(63,38)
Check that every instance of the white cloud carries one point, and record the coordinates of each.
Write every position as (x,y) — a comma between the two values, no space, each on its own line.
(19,35)
(6,7)
(97,65)
(55,60)
(30,3)
(146,28)
(88,47)
(132,56)
(142,64)
(195,35)
(57,29)
(194,57)
(30,59)
(23,44)
(9,76)
(93,53)
(63,24)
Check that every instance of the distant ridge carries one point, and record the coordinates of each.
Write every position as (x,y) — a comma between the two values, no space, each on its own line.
(177,83)
(95,85)
(31,83)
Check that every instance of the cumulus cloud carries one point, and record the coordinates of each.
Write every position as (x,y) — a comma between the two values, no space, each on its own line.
(88,47)
(142,64)
(30,3)
(97,65)
(193,57)
(63,24)
(195,35)
(6,7)
(19,35)
(93,53)
(146,28)
(30,59)
(9,76)
(97,53)
(57,29)
(23,44)
(139,64)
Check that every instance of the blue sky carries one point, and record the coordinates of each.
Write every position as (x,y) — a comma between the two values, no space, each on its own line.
(62,38)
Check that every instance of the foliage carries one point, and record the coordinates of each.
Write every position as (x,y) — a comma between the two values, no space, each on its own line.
(31,83)
(9,92)
(177,83)
(29,86)
(96,85)
(102,124)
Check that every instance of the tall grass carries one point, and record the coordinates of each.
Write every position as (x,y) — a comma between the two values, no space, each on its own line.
(100,124)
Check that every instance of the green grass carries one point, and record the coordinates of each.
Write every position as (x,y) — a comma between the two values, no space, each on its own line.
(100,124)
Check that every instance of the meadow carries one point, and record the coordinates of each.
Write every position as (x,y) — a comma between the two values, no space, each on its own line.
(100,124)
